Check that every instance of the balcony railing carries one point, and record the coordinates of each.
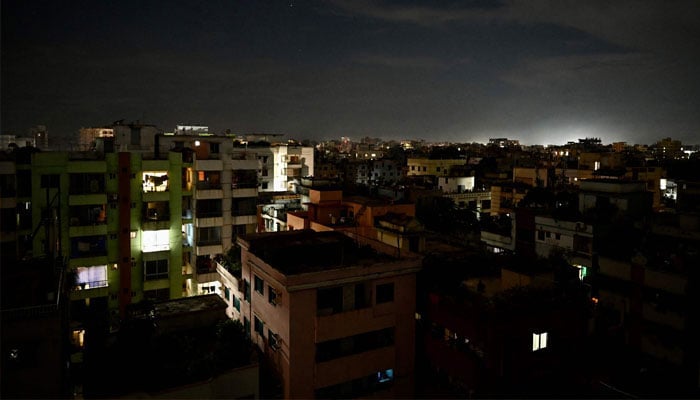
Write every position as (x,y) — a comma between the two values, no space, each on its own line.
(208,185)
(90,285)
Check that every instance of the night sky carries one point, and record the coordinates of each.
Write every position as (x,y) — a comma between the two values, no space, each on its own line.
(539,71)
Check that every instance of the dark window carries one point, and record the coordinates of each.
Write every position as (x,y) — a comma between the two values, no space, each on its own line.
(227,293)
(385,293)
(237,303)
(50,181)
(360,387)
(246,326)
(208,208)
(214,148)
(244,206)
(272,339)
(8,219)
(362,299)
(356,344)
(557,236)
(259,285)
(246,290)
(271,295)
(157,294)
(135,136)
(208,236)
(540,235)
(156,269)
(24,183)
(329,300)
(259,326)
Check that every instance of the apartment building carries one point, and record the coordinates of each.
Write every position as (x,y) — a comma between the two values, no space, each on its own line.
(437,167)
(334,318)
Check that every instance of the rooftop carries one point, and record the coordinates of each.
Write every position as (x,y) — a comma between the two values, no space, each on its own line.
(302,251)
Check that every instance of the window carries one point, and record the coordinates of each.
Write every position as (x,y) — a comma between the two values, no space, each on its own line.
(246,326)
(155,294)
(557,236)
(209,208)
(264,185)
(155,240)
(540,235)
(272,297)
(246,290)
(156,269)
(329,300)
(259,285)
(49,181)
(272,339)
(539,341)
(582,271)
(385,293)
(227,293)
(155,181)
(259,326)
(336,348)
(209,236)
(91,277)
(214,148)
(237,303)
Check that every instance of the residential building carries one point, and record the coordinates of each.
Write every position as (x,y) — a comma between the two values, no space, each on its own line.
(334,318)
(436,167)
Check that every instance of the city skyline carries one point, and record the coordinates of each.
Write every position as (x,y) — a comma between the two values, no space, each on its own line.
(538,72)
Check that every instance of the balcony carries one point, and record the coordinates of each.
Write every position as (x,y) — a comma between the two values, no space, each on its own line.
(209,165)
(207,222)
(88,220)
(87,199)
(244,219)
(156,215)
(208,248)
(244,192)
(347,323)
(209,190)
(206,270)
(88,246)
(155,181)
(86,184)
(357,365)
(91,289)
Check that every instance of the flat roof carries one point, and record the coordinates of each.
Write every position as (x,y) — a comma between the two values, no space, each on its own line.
(302,251)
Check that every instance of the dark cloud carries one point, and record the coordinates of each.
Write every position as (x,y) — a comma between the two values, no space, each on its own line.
(539,71)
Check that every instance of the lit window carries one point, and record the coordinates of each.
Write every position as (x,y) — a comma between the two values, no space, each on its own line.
(155,240)
(91,277)
(385,376)
(539,341)
(155,181)
(582,271)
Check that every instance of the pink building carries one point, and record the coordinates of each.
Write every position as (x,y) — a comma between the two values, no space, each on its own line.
(336,319)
